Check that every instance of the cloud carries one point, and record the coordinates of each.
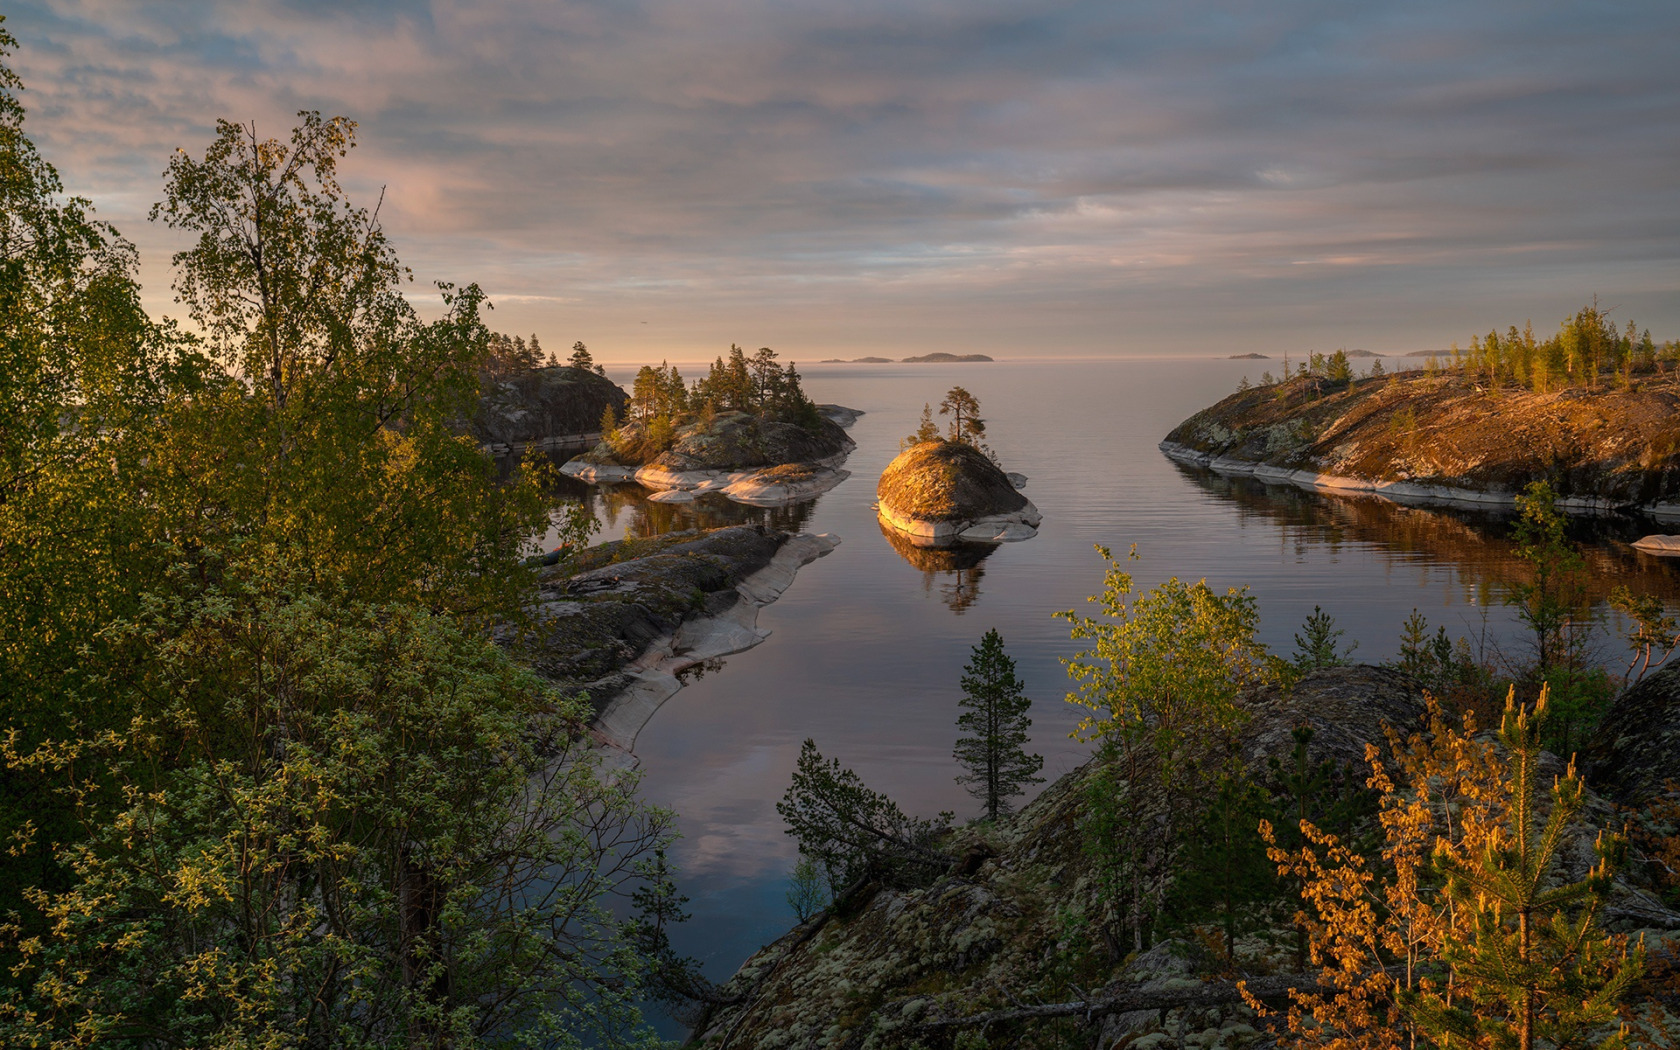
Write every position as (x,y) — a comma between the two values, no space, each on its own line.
(836,171)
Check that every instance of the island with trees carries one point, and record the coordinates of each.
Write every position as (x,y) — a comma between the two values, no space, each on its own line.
(1594,410)
(746,430)
(947,489)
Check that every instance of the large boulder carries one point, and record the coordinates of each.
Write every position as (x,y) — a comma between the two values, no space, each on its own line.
(558,404)
(943,492)
(1635,753)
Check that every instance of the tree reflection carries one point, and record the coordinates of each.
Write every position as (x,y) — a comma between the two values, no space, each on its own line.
(643,518)
(957,569)
(1475,539)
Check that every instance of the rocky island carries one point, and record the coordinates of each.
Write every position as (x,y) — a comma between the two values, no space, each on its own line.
(942,492)
(1468,431)
(948,489)
(746,431)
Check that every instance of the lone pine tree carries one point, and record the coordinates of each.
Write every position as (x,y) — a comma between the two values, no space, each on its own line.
(995,716)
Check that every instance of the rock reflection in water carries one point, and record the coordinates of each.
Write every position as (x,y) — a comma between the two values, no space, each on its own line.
(625,511)
(956,569)
(1476,539)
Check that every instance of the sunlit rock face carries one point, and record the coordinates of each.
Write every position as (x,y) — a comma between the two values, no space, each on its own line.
(944,492)
(747,458)
(1448,439)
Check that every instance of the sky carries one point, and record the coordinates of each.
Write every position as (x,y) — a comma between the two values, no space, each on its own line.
(836,178)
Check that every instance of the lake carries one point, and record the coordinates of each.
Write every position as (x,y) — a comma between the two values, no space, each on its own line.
(868,644)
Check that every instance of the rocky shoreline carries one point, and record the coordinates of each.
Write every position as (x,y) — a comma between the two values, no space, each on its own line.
(891,966)
(624,620)
(1424,439)
(1408,492)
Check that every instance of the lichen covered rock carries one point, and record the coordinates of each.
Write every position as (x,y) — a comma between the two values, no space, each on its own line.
(942,492)
(1635,753)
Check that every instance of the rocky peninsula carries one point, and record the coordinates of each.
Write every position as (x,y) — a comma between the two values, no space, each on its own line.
(937,493)
(1450,438)
(623,621)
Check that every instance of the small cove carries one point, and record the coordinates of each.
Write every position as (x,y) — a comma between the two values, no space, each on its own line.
(867,645)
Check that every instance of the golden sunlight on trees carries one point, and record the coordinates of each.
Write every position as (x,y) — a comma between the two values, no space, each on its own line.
(1469,933)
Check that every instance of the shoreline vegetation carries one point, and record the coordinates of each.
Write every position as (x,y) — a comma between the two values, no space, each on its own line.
(297,749)
(1592,411)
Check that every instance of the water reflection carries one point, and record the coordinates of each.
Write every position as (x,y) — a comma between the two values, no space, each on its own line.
(1477,540)
(625,512)
(957,570)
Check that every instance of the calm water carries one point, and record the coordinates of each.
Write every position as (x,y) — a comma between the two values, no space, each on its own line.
(868,644)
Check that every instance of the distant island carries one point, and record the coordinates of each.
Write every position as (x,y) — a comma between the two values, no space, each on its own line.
(943,358)
(1592,411)
(1248,357)
(856,361)
(1361,353)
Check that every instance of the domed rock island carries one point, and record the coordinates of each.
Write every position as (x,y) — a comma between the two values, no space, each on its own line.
(943,492)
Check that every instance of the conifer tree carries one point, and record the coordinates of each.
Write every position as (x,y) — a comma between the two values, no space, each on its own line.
(581,360)
(1536,968)
(964,410)
(926,431)
(997,766)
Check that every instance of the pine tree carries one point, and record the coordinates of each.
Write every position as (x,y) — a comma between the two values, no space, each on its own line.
(1538,967)
(581,360)
(1319,648)
(998,768)
(926,431)
(964,410)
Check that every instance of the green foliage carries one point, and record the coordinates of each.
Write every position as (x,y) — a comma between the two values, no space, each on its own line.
(272,785)
(758,385)
(964,410)
(1319,794)
(1655,636)
(807,889)
(1538,969)
(1162,679)
(1223,875)
(1338,369)
(581,360)
(1318,648)
(1167,665)
(855,833)
(996,765)
(926,430)
(1552,597)
(341,825)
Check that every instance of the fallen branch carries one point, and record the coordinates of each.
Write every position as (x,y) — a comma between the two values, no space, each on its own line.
(1136,997)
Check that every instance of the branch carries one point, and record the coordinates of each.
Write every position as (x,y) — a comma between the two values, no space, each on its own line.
(1136,997)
